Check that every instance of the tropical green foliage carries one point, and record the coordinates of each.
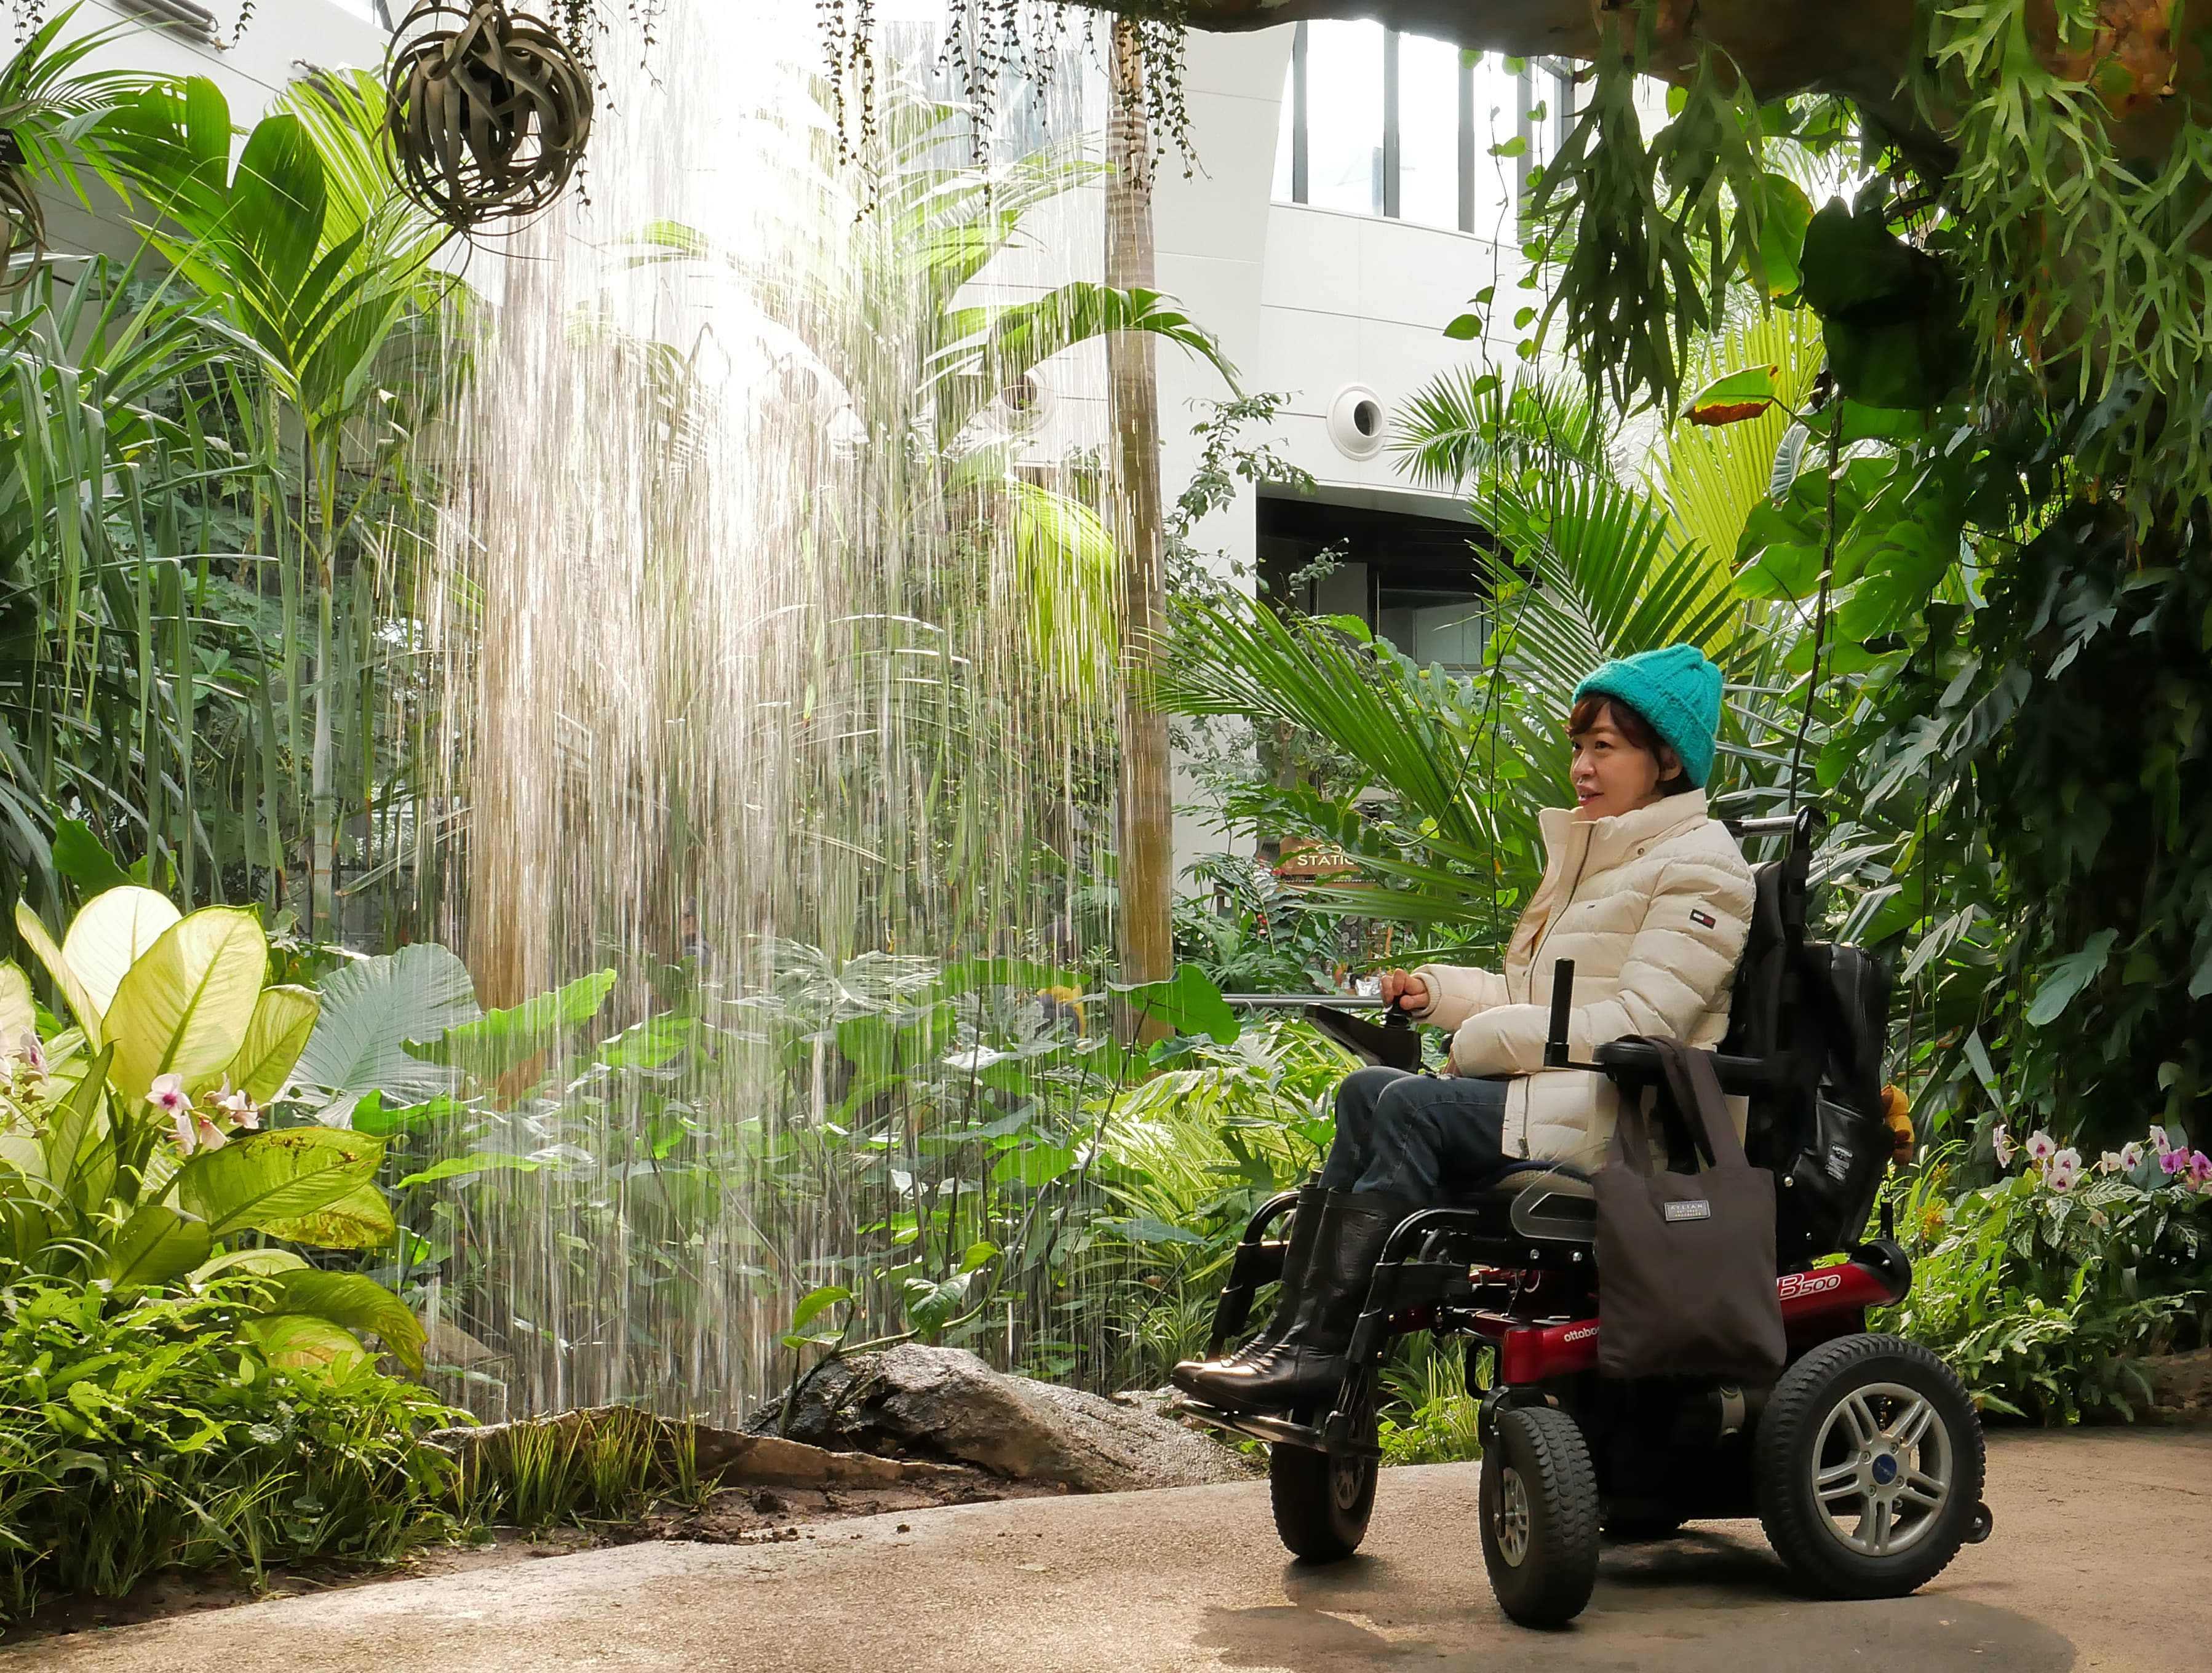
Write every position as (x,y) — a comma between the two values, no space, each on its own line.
(2046,1290)
(138,1433)
(132,1152)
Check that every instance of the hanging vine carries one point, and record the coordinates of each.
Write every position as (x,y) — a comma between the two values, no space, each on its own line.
(987,42)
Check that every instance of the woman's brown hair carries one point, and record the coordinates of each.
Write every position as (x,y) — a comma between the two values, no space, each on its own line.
(1594,710)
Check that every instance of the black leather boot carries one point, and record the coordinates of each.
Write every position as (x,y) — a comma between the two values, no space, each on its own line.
(1290,1292)
(1307,1363)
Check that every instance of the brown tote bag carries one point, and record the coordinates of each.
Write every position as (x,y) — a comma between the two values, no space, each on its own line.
(1686,1261)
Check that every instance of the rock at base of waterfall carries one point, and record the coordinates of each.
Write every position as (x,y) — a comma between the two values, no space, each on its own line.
(944,1402)
(726,1456)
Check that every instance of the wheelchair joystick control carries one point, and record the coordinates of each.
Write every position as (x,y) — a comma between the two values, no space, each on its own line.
(1563,1003)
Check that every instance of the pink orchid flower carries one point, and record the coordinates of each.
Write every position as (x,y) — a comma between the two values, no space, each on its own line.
(32,1053)
(240,1106)
(2065,1167)
(2159,1141)
(2173,1161)
(168,1095)
(210,1136)
(2110,1162)
(2200,1167)
(2041,1146)
(2002,1142)
(2131,1155)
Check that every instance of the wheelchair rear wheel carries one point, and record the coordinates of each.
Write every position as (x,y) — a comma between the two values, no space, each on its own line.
(1322,1501)
(1868,1467)
(1539,1517)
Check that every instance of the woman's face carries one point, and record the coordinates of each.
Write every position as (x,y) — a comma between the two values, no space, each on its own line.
(1612,776)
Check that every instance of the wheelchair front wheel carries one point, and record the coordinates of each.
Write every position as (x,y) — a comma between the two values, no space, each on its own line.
(1322,1501)
(1539,1517)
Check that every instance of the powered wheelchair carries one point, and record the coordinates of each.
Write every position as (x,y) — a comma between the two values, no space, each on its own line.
(1863,1460)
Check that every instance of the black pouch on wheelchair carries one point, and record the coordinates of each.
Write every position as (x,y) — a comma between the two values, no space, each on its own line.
(1842,1145)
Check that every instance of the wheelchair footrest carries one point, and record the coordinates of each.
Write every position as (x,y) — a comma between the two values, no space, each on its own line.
(1277,1430)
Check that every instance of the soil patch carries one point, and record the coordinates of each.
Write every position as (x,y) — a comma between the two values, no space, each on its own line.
(749,1515)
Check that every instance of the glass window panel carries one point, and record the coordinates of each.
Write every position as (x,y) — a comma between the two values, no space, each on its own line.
(1428,131)
(1496,179)
(1344,116)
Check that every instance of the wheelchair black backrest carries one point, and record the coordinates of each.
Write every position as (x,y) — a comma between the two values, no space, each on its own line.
(1819,1011)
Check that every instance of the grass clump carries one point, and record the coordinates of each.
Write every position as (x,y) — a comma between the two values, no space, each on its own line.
(604,1465)
(143,1432)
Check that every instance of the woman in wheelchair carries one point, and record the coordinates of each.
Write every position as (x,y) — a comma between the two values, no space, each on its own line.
(1651,899)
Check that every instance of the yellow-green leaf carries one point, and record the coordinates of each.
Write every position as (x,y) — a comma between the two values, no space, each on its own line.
(299,1342)
(355,1302)
(34,936)
(362,1219)
(185,1007)
(243,1262)
(268,1180)
(112,933)
(1740,395)
(283,1018)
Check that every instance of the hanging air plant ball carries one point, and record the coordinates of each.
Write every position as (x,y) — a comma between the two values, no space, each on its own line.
(489,111)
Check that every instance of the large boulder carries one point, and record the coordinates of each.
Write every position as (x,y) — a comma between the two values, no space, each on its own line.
(944,1402)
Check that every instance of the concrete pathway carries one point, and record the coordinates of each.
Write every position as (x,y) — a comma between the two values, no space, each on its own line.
(2102,1559)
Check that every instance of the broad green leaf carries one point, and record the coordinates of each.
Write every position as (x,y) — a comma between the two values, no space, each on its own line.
(357,1303)
(1188,1002)
(246,1263)
(814,1301)
(185,1007)
(81,1005)
(112,933)
(373,1116)
(1033,1165)
(503,1040)
(283,1018)
(370,1011)
(362,1219)
(463,1167)
(281,198)
(266,1179)
(300,1344)
(157,1243)
(978,1255)
(2064,977)
(1784,215)
(80,857)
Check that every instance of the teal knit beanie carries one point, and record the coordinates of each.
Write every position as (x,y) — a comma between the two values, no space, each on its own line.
(1677,691)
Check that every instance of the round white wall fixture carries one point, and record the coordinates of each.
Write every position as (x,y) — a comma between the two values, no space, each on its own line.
(1356,421)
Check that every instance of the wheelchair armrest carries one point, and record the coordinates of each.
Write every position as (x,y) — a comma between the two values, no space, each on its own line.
(1633,1062)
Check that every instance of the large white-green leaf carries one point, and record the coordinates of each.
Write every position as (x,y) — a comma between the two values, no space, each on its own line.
(19,1011)
(34,936)
(112,933)
(370,1011)
(283,1018)
(266,1179)
(185,1007)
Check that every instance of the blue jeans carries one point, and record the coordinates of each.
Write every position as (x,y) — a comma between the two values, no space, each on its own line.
(1421,1137)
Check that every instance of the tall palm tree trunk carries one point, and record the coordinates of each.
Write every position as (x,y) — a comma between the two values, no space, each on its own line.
(1147,837)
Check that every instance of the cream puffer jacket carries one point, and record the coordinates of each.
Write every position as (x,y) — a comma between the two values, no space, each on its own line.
(1654,907)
